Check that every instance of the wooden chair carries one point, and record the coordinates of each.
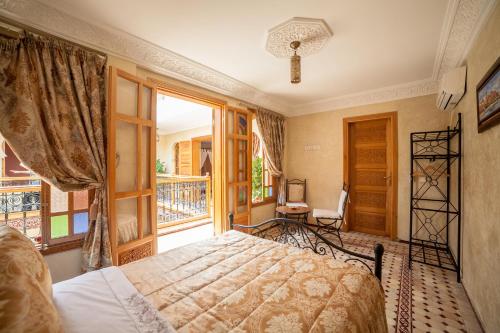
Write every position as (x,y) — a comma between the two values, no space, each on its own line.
(296,193)
(333,220)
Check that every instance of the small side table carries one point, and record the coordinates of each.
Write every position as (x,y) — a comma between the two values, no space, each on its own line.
(300,213)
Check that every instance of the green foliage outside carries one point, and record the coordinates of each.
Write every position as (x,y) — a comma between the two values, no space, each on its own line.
(257,179)
(160,167)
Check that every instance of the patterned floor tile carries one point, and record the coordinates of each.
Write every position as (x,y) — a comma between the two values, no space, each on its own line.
(423,299)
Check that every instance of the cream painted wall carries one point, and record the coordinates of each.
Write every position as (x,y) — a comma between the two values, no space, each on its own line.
(323,168)
(481,187)
(165,148)
(64,265)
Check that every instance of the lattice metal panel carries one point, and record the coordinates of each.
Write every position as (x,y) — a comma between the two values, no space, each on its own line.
(434,198)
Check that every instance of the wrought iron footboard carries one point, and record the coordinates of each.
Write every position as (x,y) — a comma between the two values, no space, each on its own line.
(305,236)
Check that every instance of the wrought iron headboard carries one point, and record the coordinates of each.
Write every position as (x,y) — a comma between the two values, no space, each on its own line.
(287,231)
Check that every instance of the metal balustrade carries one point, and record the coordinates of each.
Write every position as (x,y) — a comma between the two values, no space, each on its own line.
(182,198)
(20,205)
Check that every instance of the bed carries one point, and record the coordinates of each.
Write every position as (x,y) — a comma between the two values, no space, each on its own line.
(233,282)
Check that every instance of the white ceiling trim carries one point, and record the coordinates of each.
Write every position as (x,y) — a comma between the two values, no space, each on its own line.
(129,47)
(466,16)
(400,91)
(461,25)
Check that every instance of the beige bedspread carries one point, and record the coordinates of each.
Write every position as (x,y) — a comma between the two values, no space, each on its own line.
(240,283)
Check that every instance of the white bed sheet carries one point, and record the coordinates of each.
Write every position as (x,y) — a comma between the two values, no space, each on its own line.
(105,301)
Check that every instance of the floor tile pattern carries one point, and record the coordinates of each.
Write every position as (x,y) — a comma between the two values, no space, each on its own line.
(423,299)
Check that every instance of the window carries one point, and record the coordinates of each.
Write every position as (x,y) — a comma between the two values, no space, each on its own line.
(52,219)
(263,184)
(65,216)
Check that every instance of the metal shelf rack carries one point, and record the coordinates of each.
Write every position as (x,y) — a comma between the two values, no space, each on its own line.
(435,202)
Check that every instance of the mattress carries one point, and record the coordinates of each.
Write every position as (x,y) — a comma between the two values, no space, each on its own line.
(105,301)
(240,283)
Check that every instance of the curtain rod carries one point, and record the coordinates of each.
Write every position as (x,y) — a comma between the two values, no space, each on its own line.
(14,29)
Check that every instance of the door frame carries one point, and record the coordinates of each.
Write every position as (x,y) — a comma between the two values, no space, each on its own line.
(218,144)
(392,117)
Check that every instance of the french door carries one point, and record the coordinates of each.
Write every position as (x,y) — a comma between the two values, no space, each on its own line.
(239,164)
(131,167)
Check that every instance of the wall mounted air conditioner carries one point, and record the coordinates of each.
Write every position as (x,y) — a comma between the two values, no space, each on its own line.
(451,88)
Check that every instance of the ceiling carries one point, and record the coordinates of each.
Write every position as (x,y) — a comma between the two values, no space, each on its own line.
(176,115)
(380,50)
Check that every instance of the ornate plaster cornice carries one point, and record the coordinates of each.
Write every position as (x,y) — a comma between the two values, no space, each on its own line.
(407,90)
(463,20)
(462,23)
(127,46)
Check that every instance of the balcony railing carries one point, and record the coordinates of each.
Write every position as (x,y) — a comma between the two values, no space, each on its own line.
(20,205)
(182,199)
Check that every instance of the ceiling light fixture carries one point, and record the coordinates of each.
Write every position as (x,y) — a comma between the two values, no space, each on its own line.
(299,34)
(295,73)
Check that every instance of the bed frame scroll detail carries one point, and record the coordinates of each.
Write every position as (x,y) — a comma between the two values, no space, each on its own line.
(305,236)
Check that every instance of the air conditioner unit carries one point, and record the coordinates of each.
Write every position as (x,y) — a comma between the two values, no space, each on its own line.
(451,88)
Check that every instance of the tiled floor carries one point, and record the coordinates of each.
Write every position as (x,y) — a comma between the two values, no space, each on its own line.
(437,302)
(427,297)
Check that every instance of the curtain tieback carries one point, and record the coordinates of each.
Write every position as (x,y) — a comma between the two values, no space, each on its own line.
(93,211)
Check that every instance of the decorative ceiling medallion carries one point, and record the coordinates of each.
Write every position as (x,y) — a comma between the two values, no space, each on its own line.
(311,33)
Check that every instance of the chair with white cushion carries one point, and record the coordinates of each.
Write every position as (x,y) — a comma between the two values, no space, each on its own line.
(333,220)
(296,193)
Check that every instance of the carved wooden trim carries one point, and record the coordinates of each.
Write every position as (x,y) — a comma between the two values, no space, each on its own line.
(142,251)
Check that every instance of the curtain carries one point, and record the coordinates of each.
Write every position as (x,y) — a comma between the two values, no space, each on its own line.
(255,145)
(53,116)
(206,153)
(272,131)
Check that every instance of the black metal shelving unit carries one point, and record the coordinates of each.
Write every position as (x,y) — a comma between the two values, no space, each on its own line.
(435,203)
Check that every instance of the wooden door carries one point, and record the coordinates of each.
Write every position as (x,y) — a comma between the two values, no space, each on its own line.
(185,158)
(131,167)
(239,164)
(370,152)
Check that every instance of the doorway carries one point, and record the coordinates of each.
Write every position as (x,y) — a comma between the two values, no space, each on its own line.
(184,172)
(135,169)
(370,168)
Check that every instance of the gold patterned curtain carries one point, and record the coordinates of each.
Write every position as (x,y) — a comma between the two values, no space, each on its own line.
(272,130)
(53,116)
(255,145)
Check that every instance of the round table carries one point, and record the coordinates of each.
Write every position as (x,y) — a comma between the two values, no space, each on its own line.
(300,213)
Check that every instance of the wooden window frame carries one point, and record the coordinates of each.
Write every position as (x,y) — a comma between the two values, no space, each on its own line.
(274,180)
(72,241)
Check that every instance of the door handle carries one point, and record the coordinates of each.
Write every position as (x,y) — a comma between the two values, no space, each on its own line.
(387,177)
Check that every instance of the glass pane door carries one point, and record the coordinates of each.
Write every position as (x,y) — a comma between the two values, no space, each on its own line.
(238,137)
(131,178)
